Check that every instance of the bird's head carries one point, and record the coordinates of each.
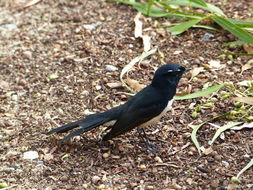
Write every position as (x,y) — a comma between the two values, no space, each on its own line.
(168,74)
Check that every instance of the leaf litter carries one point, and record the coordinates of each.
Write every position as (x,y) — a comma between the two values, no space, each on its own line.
(79,61)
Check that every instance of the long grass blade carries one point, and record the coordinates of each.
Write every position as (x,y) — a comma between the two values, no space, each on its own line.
(250,164)
(182,27)
(233,28)
(201,93)
(222,129)
(194,136)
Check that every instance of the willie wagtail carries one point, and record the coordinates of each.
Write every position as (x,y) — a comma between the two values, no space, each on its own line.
(143,109)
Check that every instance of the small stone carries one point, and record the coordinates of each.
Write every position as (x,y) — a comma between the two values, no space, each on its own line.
(215,183)
(10,26)
(30,155)
(142,166)
(95,179)
(218,157)
(106,155)
(64,178)
(85,93)
(98,87)
(12,153)
(16,166)
(53,76)
(226,164)
(189,181)
(91,26)
(14,97)
(111,68)
(202,169)
(40,162)
(158,159)
(27,54)
(150,187)
(207,36)
(192,149)
(4,84)
(8,170)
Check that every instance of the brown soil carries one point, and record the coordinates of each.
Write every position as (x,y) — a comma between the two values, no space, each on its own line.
(49,39)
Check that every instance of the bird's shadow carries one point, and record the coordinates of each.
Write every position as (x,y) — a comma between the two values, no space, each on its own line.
(95,147)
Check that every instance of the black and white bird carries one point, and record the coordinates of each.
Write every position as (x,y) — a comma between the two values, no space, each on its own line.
(143,109)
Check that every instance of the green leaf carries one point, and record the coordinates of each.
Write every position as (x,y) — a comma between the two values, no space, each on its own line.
(237,54)
(194,135)
(222,129)
(250,164)
(149,5)
(201,93)
(183,26)
(234,44)
(65,156)
(196,128)
(233,28)
(144,9)
(235,180)
(241,23)
(208,7)
(3,185)
(179,14)
(204,26)
(200,2)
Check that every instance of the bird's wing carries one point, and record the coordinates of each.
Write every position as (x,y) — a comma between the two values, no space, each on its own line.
(146,105)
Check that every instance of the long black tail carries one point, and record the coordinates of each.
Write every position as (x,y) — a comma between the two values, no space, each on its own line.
(88,123)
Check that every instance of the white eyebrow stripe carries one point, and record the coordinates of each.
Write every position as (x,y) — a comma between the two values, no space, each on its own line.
(169,71)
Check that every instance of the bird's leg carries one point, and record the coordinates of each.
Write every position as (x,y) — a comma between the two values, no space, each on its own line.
(146,142)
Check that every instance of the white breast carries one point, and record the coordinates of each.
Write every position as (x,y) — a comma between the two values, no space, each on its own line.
(157,118)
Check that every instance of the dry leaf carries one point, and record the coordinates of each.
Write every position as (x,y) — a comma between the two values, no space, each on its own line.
(214,125)
(130,65)
(245,125)
(48,156)
(248,65)
(138,33)
(248,48)
(31,3)
(246,100)
(186,91)
(138,26)
(208,151)
(146,43)
(4,85)
(134,84)
(215,64)
(114,84)
(194,72)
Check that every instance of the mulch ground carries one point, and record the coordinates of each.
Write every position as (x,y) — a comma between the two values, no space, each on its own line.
(53,71)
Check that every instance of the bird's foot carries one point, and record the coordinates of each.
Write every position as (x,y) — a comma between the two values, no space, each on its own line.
(147,144)
(149,147)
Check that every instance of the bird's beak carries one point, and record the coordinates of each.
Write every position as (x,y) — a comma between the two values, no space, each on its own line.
(187,69)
